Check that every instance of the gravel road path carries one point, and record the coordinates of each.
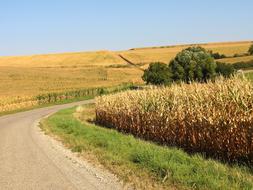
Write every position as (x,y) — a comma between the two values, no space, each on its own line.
(30,160)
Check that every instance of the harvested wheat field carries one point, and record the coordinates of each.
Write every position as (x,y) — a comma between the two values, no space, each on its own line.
(24,77)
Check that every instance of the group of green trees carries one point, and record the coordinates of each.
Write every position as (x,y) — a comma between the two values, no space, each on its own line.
(191,64)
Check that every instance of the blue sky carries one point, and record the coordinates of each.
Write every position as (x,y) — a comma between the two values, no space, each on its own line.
(48,26)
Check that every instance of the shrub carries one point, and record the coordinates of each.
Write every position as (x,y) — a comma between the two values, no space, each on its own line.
(241,54)
(251,50)
(224,69)
(243,65)
(157,74)
(193,64)
(213,118)
(217,55)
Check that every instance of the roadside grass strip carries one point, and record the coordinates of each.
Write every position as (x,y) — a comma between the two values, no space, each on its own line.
(141,163)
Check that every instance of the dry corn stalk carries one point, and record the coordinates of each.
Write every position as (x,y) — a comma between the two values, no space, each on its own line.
(214,118)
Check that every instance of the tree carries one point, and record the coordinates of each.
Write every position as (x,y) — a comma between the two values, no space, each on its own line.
(193,64)
(251,50)
(157,74)
(224,69)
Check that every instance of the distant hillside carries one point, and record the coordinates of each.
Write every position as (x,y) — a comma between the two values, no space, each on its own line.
(140,56)
(198,44)
(143,56)
(79,59)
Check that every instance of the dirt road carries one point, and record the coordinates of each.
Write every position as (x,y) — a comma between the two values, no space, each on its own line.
(30,160)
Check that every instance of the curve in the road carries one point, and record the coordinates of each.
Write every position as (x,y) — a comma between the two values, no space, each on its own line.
(31,160)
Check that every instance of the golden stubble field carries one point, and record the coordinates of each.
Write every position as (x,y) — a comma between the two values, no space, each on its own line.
(59,72)
(24,77)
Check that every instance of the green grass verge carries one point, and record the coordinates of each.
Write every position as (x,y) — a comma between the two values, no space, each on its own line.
(147,163)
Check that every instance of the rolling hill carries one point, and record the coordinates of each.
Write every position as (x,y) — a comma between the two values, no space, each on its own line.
(23,77)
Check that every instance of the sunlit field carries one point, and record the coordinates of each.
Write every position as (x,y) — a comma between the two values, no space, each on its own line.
(24,77)
(143,56)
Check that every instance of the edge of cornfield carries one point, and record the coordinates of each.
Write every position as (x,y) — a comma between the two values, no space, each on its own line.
(143,164)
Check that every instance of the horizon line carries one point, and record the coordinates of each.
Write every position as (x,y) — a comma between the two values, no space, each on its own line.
(130,49)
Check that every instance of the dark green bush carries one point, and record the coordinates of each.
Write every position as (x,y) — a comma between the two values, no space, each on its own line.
(157,74)
(217,55)
(251,50)
(224,69)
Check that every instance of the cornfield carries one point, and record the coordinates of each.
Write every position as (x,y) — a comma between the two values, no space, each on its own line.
(213,118)
(16,103)
(8,104)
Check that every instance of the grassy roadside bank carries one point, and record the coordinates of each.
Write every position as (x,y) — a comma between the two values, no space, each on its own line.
(145,165)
